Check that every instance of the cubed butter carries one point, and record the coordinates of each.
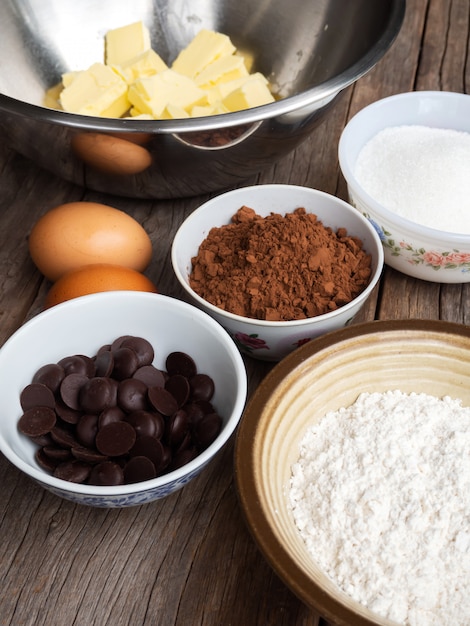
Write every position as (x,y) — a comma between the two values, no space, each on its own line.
(126,42)
(51,99)
(209,109)
(252,93)
(172,112)
(69,77)
(154,93)
(207,46)
(222,89)
(135,114)
(247,57)
(208,77)
(97,91)
(221,70)
(145,64)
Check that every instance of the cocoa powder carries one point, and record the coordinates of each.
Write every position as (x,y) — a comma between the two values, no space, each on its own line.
(279,268)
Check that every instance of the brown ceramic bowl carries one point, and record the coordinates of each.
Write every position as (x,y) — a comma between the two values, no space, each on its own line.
(329,372)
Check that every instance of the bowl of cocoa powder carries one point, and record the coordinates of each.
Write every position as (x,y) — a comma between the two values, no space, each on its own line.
(277,265)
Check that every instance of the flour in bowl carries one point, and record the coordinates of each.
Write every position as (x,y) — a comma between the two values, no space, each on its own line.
(381,496)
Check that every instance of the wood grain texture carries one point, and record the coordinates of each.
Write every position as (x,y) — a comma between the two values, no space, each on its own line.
(189,559)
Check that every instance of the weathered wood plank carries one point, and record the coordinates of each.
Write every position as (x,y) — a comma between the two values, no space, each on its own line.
(189,559)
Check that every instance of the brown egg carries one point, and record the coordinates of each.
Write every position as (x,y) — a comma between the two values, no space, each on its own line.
(112,154)
(83,233)
(95,278)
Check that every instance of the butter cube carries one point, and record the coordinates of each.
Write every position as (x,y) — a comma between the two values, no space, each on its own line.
(145,64)
(69,77)
(208,109)
(172,112)
(51,98)
(223,88)
(247,57)
(252,93)
(205,47)
(126,42)
(153,93)
(96,91)
(224,69)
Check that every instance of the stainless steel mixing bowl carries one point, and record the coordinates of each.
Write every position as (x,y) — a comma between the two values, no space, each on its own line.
(309,49)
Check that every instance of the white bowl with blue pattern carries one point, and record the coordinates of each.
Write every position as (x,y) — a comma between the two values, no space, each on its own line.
(83,325)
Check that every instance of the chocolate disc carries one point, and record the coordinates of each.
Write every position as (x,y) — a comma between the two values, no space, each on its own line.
(115,439)
(106,473)
(36,394)
(181,363)
(139,468)
(141,347)
(50,375)
(162,400)
(37,421)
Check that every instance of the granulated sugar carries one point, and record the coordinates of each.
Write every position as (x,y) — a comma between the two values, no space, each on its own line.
(381,497)
(420,173)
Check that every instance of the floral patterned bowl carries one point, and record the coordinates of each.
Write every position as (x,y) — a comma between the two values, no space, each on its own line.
(81,326)
(413,249)
(269,340)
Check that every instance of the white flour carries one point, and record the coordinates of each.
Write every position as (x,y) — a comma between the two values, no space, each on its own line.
(381,497)
(420,173)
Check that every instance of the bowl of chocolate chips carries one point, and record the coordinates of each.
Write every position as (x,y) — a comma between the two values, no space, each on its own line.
(117,399)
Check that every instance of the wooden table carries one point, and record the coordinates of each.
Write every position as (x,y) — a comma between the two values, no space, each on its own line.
(189,559)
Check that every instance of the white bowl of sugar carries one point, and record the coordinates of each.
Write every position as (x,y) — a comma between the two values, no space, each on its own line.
(406,160)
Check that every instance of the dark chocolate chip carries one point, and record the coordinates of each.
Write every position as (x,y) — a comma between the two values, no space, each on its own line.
(176,428)
(115,439)
(180,363)
(138,469)
(118,342)
(97,394)
(87,455)
(125,363)
(37,421)
(70,389)
(78,364)
(106,473)
(44,461)
(50,375)
(73,471)
(206,429)
(183,458)
(111,414)
(132,395)
(87,429)
(178,386)
(150,375)
(143,422)
(104,363)
(68,415)
(36,394)
(162,400)
(57,453)
(149,447)
(202,387)
(63,436)
(141,347)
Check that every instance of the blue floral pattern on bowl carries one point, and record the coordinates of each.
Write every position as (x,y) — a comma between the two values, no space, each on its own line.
(131,499)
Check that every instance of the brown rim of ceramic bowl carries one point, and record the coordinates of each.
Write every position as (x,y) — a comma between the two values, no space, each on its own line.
(245,471)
